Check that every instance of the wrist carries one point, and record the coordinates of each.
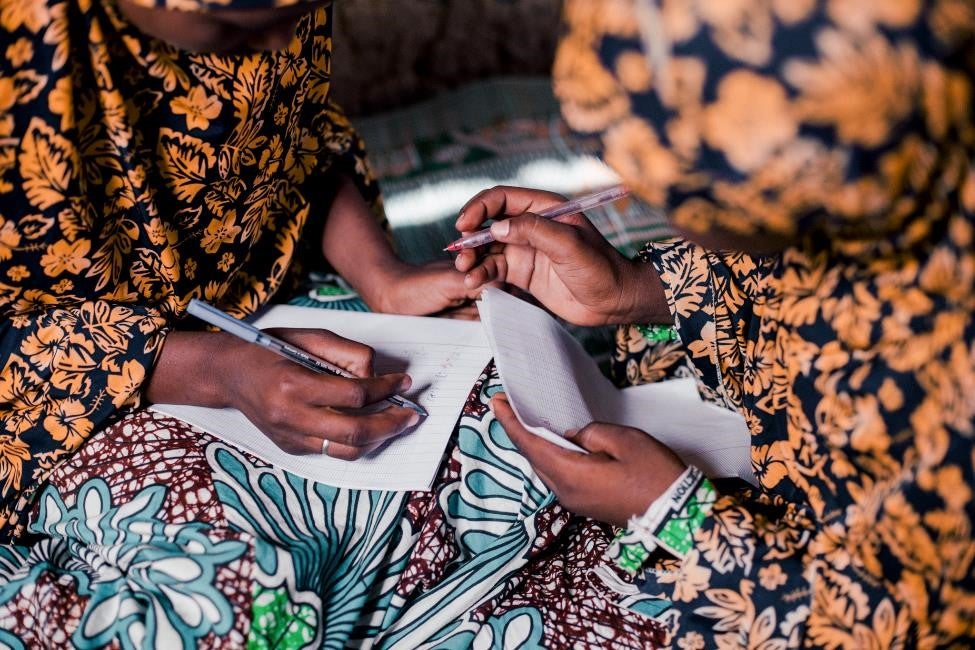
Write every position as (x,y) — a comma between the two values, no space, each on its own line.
(668,524)
(385,289)
(193,368)
(642,296)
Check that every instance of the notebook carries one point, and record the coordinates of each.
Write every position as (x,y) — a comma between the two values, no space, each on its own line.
(553,385)
(444,358)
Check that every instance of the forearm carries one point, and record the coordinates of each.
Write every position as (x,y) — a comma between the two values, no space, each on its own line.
(356,246)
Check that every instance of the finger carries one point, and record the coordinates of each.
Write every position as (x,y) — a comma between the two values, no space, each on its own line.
(439,265)
(560,240)
(501,201)
(349,355)
(471,257)
(366,431)
(339,392)
(618,442)
(547,480)
(561,466)
(464,312)
(493,268)
(300,444)
(304,433)
(345,452)
(466,260)
(453,287)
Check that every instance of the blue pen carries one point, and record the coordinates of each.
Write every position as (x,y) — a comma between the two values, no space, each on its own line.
(248,332)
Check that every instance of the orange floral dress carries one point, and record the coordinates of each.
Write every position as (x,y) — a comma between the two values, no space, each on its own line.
(844,129)
(134,177)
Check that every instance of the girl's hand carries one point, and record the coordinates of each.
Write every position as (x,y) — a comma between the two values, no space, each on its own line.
(296,407)
(358,250)
(624,472)
(565,264)
(436,288)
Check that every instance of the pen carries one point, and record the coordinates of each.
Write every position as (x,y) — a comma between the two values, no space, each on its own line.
(248,332)
(572,206)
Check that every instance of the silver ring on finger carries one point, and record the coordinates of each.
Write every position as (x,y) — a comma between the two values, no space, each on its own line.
(325,442)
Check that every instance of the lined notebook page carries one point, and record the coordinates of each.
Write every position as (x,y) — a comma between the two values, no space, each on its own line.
(444,358)
(710,437)
(553,386)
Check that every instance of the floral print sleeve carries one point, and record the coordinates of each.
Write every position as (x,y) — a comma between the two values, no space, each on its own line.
(841,543)
(66,370)
(714,298)
(747,578)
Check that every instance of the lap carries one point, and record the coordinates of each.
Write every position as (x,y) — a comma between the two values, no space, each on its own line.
(157,534)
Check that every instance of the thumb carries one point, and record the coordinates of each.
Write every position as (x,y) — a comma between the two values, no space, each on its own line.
(452,286)
(599,437)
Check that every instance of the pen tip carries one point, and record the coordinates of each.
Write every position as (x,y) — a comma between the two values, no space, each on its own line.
(452,248)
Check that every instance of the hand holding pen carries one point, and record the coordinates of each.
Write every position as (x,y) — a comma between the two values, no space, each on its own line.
(572,206)
(564,263)
(307,412)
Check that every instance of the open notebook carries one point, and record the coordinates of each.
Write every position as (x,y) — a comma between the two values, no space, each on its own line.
(444,358)
(554,386)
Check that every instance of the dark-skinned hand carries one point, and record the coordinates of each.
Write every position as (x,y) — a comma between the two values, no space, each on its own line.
(565,264)
(296,407)
(623,473)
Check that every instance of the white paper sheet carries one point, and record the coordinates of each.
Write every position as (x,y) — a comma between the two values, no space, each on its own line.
(554,386)
(444,358)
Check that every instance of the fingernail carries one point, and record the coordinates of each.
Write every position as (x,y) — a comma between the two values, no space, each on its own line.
(405,383)
(413,419)
(571,433)
(459,218)
(500,229)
